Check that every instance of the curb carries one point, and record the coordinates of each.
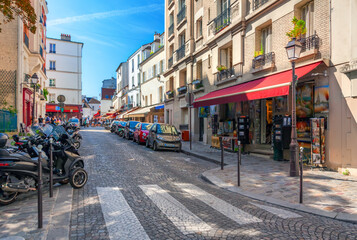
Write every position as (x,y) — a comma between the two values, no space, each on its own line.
(209,177)
(202,157)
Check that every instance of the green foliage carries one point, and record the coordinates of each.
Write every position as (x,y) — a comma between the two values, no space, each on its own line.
(346,172)
(221,68)
(22,8)
(45,93)
(298,30)
(151,53)
(11,109)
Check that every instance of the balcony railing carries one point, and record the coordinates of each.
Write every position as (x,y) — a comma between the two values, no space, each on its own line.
(180,53)
(225,74)
(309,43)
(26,40)
(171,29)
(171,61)
(182,90)
(181,15)
(169,94)
(258,3)
(261,60)
(223,20)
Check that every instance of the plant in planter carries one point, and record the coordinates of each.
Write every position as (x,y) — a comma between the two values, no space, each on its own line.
(198,85)
(298,30)
(221,68)
(170,94)
(258,54)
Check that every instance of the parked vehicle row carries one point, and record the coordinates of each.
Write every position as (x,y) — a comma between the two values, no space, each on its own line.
(155,135)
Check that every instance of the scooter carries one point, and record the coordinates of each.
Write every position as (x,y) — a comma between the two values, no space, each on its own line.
(19,171)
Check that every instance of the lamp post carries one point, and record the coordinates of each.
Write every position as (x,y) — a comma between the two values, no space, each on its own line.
(293,50)
(34,80)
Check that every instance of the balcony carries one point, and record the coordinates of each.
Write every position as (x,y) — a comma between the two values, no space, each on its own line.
(182,90)
(223,20)
(181,15)
(258,3)
(171,61)
(180,53)
(171,29)
(26,40)
(169,95)
(309,43)
(263,62)
(225,75)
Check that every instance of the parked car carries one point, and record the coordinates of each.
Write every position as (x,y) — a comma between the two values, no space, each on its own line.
(119,128)
(113,125)
(141,132)
(74,122)
(129,129)
(163,136)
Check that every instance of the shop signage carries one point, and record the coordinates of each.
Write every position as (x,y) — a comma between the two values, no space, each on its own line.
(349,67)
(57,108)
(61,98)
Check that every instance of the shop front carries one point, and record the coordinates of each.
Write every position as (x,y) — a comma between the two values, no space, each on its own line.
(69,111)
(257,113)
(151,114)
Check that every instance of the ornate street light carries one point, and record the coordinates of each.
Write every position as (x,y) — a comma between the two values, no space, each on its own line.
(293,50)
(34,80)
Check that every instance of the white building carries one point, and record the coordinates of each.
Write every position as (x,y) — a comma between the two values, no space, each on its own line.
(64,70)
(120,100)
(90,107)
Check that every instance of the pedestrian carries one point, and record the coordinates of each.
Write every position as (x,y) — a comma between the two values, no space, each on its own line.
(53,120)
(40,121)
(47,119)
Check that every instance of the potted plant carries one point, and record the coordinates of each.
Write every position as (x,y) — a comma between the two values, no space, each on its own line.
(298,30)
(170,94)
(221,68)
(259,54)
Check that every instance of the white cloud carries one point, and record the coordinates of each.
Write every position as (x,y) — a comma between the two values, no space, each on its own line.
(101,15)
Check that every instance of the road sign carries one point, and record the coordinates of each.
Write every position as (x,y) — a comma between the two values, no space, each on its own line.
(61,98)
(189,98)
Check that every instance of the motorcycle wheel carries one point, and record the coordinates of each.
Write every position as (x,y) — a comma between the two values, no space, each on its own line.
(154,147)
(78,177)
(77,144)
(7,198)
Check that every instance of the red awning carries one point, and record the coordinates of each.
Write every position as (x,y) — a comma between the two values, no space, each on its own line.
(67,108)
(266,87)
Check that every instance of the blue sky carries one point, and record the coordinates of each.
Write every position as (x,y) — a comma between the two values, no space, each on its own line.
(111,31)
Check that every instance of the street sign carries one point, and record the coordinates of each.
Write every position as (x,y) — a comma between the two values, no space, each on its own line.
(62,109)
(61,98)
(189,98)
(58,108)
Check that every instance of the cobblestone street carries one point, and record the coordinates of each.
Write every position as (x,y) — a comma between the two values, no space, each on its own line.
(136,193)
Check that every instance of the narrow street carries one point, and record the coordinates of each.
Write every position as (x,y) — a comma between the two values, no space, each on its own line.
(136,193)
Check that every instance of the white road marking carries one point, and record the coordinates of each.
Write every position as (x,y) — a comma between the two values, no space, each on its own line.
(219,205)
(179,215)
(277,211)
(119,218)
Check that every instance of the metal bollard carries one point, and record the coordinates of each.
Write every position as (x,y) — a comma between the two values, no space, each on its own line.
(51,168)
(301,174)
(222,158)
(39,189)
(239,163)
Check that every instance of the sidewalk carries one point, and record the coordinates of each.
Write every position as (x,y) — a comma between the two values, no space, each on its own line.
(326,193)
(20,218)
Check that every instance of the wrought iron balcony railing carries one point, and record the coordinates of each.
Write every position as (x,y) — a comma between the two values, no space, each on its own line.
(225,74)
(258,3)
(309,43)
(181,15)
(182,90)
(223,20)
(261,60)
(180,53)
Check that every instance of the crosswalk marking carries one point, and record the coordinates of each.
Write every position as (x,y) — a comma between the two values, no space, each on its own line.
(277,211)
(219,205)
(179,215)
(120,220)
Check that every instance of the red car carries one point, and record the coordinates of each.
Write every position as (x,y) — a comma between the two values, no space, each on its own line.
(141,132)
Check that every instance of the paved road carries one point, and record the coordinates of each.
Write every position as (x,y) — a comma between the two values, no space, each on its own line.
(136,193)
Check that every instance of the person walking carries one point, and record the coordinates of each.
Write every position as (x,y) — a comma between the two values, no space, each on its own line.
(40,121)
(47,119)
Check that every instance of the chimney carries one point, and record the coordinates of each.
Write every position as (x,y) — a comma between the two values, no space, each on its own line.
(65,37)
(156,36)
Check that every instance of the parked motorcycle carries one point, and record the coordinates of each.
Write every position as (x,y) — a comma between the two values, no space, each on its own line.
(19,170)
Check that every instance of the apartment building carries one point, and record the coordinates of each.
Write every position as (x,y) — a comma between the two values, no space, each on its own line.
(64,70)
(22,55)
(235,63)
(108,91)
(121,100)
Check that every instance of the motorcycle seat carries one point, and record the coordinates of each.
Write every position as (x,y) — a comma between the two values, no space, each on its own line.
(4,152)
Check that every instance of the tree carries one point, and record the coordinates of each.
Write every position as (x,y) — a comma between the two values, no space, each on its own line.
(22,8)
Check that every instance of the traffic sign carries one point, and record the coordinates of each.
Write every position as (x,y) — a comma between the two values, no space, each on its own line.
(61,98)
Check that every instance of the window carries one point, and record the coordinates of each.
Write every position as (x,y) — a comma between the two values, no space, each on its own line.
(209,61)
(181,4)
(106,96)
(52,82)
(161,66)
(199,28)
(182,40)
(209,14)
(307,14)
(52,97)
(132,81)
(144,76)
(146,100)
(132,65)
(226,58)
(52,65)
(150,99)
(161,94)
(154,72)
(137,99)
(138,78)
(265,40)
(52,48)
(138,60)
(199,70)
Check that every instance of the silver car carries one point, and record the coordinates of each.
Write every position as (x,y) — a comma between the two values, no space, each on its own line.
(163,136)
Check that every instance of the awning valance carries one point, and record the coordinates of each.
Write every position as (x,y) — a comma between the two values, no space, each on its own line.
(67,108)
(271,86)
(141,112)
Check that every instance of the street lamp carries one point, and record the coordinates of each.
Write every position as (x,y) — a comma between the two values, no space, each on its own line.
(293,50)
(34,80)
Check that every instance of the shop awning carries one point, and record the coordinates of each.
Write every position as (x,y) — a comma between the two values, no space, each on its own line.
(159,107)
(142,111)
(271,86)
(67,108)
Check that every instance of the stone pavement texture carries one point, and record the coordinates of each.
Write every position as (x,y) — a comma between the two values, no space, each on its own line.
(19,219)
(327,191)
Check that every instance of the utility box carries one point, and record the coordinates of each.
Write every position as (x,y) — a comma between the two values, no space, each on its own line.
(185,135)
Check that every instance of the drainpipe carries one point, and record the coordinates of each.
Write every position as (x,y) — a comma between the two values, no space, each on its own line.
(19,74)
(192,61)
